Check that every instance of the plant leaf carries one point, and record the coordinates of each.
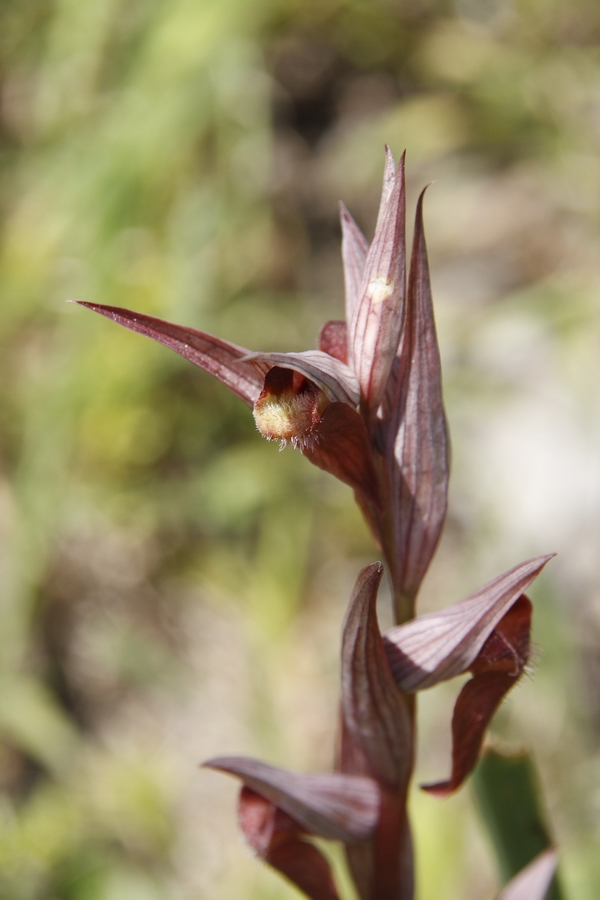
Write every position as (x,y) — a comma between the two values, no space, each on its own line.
(337,807)
(416,440)
(219,358)
(333,339)
(354,254)
(377,318)
(440,645)
(533,882)
(335,378)
(499,665)
(375,712)
(277,840)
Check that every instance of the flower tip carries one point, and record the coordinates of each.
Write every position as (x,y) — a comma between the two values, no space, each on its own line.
(218,763)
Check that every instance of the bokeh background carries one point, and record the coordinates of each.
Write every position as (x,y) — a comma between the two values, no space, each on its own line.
(171,586)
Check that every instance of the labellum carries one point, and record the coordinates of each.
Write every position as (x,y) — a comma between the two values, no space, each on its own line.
(289,408)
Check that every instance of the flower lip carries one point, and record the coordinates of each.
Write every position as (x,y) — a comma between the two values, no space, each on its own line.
(289,407)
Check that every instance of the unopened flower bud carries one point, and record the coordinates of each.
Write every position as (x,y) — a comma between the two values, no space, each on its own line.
(289,407)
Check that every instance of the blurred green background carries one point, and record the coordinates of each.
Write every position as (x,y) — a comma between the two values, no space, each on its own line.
(172,587)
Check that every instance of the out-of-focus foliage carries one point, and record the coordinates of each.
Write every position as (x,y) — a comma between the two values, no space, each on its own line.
(171,586)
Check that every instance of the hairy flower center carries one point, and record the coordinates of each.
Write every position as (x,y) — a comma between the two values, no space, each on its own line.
(289,407)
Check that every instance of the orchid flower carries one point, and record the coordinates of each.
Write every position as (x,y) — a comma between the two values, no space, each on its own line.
(365,406)
(363,804)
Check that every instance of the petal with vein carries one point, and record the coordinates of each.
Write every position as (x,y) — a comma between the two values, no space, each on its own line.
(374,709)
(219,358)
(341,447)
(376,322)
(389,178)
(416,443)
(532,882)
(338,807)
(354,254)
(335,378)
(440,645)
(278,840)
(497,668)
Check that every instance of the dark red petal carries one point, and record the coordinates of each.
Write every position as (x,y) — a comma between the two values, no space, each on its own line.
(378,314)
(333,339)
(219,358)
(342,448)
(416,443)
(337,807)
(277,840)
(507,648)
(376,739)
(327,372)
(441,645)
(354,254)
(532,882)
(476,704)
(498,667)
(375,712)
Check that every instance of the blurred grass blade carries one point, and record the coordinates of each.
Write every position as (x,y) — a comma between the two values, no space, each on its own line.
(506,792)
(31,717)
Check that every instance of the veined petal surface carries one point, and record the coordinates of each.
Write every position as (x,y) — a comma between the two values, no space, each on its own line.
(220,358)
(377,318)
(354,254)
(497,668)
(416,457)
(440,645)
(337,807)
(334,377)
(375,712)
(279,841)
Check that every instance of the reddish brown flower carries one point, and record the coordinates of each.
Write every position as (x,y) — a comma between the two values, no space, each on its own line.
(367,405)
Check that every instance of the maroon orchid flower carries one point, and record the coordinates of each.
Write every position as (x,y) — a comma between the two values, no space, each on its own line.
(363,805)
(367,405)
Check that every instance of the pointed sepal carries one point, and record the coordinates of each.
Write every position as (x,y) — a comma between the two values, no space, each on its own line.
(441,645)
(376,739)
(377,317)
(279,841)
(497,668)
(416,440)
(338,807)
(220,358)
(375,712)
(533,882)
(354,254)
